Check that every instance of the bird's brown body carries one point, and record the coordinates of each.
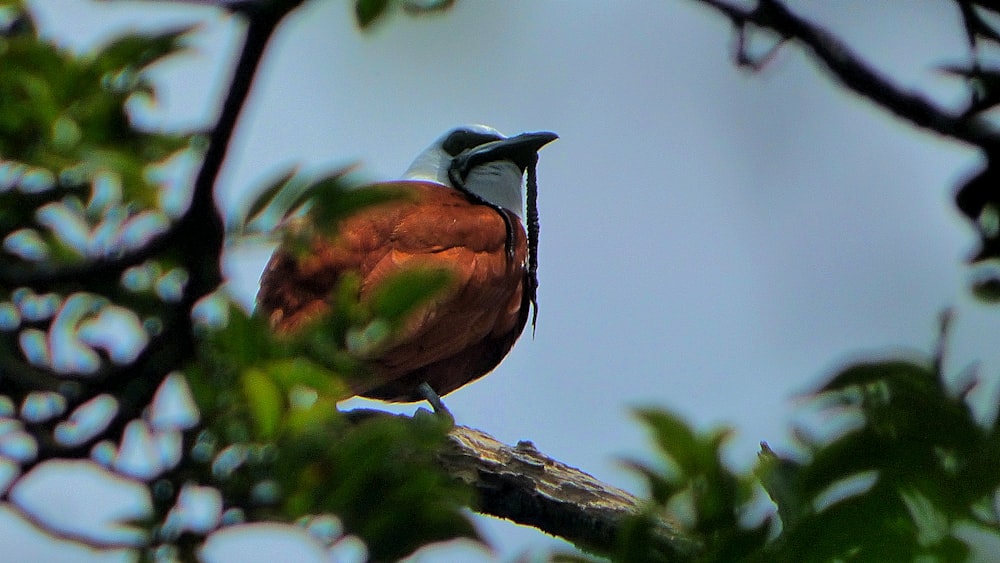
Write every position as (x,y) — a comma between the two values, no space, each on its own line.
(459,336)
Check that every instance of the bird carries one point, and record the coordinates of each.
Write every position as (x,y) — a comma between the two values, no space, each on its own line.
(463,210)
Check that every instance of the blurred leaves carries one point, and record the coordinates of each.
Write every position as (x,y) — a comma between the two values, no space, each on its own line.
(78,185)
(695,486)
(367,12)
(289,195)
(78,190)
(379,476)
(382,479)
(399,295)
(898,485)
(919,458)
(279,209)
(66,116)
(81,187)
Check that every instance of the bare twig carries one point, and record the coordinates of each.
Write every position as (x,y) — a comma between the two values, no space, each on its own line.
(858,75)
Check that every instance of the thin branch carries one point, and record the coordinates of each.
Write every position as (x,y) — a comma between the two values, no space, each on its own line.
(95,272)
(859,76)
(94,544)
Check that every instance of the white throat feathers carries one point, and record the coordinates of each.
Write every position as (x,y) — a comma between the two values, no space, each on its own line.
(500,182)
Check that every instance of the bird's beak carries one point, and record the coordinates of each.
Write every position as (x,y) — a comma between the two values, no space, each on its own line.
(523,143)
(521,149)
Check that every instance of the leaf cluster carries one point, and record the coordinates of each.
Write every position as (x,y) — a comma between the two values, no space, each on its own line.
(909,475)
(64,122)
(694,485)
(78,191)
(262,392)
(90,247)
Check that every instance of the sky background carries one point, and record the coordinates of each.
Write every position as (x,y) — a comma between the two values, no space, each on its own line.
(713,241)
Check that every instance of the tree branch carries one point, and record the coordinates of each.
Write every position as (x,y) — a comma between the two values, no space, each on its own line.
(857,75)
(95,272)
(523,485)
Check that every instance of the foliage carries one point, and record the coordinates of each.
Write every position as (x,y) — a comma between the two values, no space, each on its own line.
(378,475)
(82,210)
(101,271)
(911,476)
(367,12)
(696,484)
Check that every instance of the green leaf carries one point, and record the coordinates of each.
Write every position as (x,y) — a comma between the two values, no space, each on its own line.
(661,488)
(318,417)
(289,372)
(267,197)
(893,372)
(245,340)
(368,11)
(265,402)
(140,51)
(674,438)
(872,526)
(638,541)
(14,20)
(333,202)
(399,295)
(291,192)
(382,478)
(780,477)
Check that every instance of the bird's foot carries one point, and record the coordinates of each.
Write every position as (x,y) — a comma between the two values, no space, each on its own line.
(428,394)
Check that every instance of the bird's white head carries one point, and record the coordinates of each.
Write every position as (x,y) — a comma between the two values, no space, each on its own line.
(480,160)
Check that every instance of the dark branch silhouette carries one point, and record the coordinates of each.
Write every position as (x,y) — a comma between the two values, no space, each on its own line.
(856,74)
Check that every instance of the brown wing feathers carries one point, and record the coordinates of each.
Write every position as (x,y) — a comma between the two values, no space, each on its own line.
(462,334)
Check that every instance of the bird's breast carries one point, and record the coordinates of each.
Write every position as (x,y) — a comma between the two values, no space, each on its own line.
(462,332)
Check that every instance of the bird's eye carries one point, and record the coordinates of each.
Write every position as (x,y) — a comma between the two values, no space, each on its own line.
(463,139)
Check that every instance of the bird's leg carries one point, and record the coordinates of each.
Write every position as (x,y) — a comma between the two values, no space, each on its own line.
(428,394)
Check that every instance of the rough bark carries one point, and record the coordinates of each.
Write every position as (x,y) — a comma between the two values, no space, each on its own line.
(523,485)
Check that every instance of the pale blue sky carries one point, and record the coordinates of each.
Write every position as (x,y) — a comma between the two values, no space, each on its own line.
(712,241)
